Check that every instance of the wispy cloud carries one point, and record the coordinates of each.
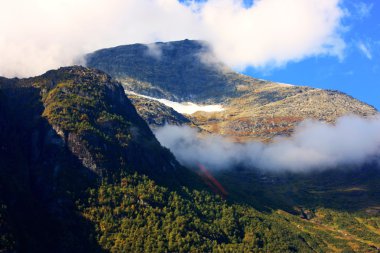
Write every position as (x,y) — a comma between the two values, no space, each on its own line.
(363,9)
(37,35)
(154,50)
(365,49)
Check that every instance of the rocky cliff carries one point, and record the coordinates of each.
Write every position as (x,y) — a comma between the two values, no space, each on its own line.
(61,133)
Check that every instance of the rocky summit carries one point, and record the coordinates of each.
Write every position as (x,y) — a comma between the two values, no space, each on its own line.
(178,71)
(188,71)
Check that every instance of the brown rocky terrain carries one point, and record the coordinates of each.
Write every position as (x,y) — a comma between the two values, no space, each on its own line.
(260,113)
(275,109)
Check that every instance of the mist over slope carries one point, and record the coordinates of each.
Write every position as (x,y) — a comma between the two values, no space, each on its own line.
(352,141)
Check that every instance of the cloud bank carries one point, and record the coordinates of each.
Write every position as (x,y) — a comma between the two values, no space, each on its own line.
(37,35)
(315,145)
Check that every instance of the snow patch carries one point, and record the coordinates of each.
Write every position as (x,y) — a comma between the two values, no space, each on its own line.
(285,84)
(185,107)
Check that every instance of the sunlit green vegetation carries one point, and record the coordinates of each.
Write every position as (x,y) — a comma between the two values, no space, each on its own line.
(138,215)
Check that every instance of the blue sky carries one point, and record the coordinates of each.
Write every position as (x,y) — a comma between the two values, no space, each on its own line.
(357,74)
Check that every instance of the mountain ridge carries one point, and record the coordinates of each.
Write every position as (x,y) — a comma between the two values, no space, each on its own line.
(255,109)
(61,133)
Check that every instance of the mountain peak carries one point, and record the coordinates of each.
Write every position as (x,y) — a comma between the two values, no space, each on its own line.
(178,70)
(187,71)
(91,115)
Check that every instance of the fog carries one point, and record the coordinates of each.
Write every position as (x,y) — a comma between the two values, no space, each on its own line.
(352,141)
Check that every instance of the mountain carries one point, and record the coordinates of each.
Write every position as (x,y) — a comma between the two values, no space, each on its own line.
(92,116)
(178,71)
(253,108)
(61,133)
(335,205)
(81,171)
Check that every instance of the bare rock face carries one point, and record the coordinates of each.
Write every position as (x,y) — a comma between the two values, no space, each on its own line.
(254,108)
(74,143)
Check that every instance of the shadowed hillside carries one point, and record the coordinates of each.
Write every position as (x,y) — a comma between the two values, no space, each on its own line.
(61,133)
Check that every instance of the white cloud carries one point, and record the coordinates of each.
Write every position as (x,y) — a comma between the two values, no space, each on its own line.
(313,146)
(37,35)
(365,49)
(273,31)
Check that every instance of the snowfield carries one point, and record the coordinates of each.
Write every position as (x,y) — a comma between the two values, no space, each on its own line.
(185,107)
